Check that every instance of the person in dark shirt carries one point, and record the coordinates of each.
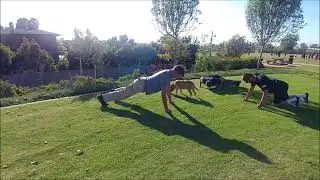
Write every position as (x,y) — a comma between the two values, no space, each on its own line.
(277,87)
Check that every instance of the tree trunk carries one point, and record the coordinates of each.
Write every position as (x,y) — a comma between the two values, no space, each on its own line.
(175,54)
(259,60)
(95,71)
(211,43)
(80,66)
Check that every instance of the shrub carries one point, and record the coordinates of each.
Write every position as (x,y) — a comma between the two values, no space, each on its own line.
(27,90)
(49,87)
(65,84)
(35,96)
(136,73)
(87,84)
(124,80)
(75,86)
(127,79)
(9,90)
(221,63)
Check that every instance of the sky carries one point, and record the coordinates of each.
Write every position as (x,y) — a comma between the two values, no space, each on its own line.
(106,19)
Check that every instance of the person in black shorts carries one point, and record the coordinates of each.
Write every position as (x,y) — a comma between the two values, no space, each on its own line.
(277,87)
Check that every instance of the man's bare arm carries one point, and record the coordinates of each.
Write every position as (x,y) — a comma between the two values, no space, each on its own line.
(164,93)
(169,96)
(263,98)
(249,93)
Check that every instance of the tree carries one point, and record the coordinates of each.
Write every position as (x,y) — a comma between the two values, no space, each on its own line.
(131,42)
(187,48)
(30,56)
(33,24)
(113,44)
(144,54)
(269,48)
(25,24)
(63,62)
(22,23)
(45,62)
(173,49)
(236,46)
(11,27)
(6,58)
(125,55)
(174,17)
(269,20)
(314,46)
(29,52)
(219,48)
(303,47)
(123,39)
(83,44)
(98,55)
(192,45)
(288,42)
(211,39)
(158,47)
(251,48)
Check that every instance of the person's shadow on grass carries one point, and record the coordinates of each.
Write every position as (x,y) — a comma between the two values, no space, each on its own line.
(194,100)
(304,114)
(228,90)
(198,132)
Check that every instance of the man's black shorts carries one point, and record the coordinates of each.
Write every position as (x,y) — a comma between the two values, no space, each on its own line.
(280,92)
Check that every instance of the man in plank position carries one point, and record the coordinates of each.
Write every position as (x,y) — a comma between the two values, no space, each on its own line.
(277,87)
(152,84)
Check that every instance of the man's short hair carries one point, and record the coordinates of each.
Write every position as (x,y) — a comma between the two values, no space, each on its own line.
(179,69)
(246,76)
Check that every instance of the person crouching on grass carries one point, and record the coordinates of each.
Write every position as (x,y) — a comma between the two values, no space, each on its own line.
(277,87)
(149,85)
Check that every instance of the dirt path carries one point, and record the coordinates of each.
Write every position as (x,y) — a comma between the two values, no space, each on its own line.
(304,64)
(281,66)
(291,65)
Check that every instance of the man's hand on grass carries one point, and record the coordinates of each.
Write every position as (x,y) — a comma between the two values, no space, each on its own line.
(259,106)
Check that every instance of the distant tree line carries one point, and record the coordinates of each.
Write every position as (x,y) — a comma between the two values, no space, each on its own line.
(86,51)
(238,45)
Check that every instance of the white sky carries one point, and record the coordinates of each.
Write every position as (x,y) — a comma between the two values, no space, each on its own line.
(113,18)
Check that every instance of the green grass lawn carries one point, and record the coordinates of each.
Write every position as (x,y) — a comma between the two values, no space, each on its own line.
(214,135)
